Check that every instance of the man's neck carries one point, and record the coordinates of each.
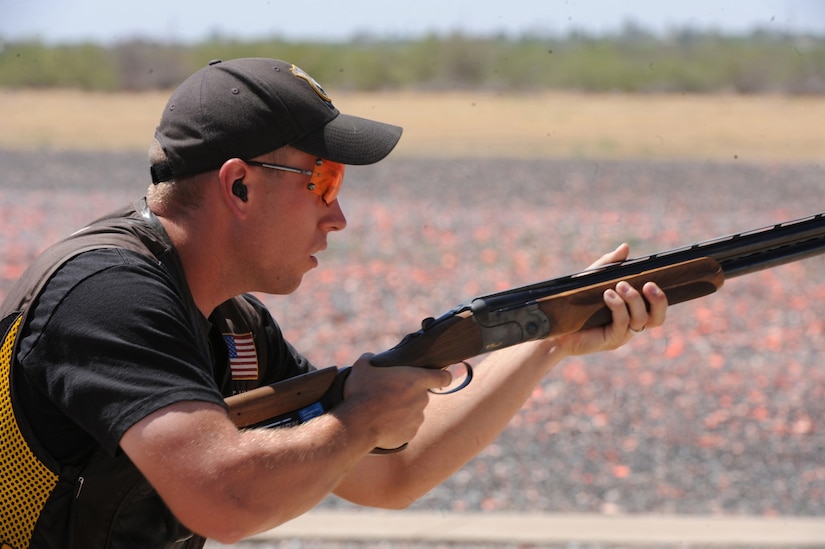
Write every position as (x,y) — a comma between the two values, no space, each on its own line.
(203,258)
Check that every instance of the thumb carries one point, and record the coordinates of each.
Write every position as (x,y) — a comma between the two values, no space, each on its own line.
(619,254)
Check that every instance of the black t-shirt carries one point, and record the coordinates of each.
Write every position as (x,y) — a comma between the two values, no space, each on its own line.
(112,339)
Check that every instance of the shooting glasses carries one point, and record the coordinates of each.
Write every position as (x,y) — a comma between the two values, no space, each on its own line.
(325,178)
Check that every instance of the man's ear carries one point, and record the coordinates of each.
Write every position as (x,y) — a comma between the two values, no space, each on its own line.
(233,188)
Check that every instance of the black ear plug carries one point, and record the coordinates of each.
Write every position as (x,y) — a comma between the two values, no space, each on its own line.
(239,189)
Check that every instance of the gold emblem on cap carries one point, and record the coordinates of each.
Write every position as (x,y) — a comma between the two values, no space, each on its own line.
(300,73)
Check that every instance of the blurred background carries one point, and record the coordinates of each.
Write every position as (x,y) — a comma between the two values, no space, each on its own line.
(538,135)
(590,45)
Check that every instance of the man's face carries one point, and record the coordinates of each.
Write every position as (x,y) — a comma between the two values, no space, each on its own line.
(288,223)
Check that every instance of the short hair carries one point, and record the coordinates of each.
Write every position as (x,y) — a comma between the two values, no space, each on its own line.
(175,195)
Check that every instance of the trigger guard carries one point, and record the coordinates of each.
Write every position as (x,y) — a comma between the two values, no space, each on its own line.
(467,379)
(385,451)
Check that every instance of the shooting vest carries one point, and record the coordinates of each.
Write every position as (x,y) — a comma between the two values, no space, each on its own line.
(45,504)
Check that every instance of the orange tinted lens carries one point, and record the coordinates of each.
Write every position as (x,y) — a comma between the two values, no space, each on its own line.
(326,180)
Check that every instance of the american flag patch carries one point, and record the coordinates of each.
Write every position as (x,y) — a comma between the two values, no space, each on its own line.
(243,360)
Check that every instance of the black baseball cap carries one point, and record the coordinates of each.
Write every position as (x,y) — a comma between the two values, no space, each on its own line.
(243,108)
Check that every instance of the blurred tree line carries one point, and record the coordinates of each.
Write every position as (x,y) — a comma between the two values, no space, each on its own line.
(631,61)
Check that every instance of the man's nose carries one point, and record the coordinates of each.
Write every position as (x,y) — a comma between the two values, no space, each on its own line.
(335,220)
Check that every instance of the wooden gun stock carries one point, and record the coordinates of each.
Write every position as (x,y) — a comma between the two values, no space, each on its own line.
(278,399)
(576,310)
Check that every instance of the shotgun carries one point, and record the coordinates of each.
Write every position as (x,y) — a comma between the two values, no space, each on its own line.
(549,308)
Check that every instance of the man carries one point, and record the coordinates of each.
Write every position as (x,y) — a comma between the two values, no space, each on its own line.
(112,399)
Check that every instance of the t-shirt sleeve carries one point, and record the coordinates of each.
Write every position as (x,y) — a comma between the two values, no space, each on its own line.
(110,345)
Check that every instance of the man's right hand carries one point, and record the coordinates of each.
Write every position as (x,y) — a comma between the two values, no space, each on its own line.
(390,401)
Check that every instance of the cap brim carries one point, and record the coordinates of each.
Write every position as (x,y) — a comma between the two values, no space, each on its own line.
(351,140)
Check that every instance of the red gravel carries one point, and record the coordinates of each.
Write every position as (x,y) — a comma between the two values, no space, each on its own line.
(720,410)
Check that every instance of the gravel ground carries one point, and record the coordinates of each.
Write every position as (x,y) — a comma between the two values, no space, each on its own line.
(719,411)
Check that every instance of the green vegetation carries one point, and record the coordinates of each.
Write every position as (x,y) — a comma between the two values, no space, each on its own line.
(634,61)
